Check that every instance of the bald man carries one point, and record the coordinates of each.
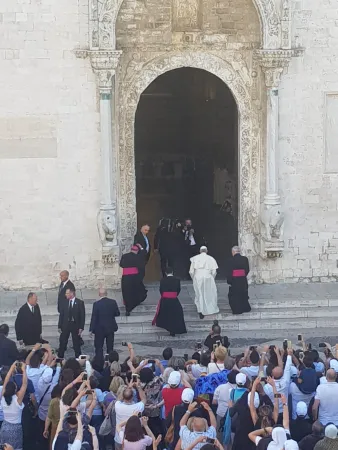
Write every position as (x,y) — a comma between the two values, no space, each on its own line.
(64,285)
(103,324)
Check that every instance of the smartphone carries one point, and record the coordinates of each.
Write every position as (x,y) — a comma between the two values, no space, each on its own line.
(300,337)
(301,355)
(186,356)
(134,378)
(278,396)
(59,360)
(124,344)
(139,415)
(199,345)
(85,377)
(210,441)
(285,344)
(219,343)
(83,357)
(290,344)
(309,346)
(89,392)
(214,346)
(253,347)
(106,357)
(151,361)
(322,345)
(72,411)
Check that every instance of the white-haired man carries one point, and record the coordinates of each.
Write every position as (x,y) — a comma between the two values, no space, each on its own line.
(203,270)
(237,271)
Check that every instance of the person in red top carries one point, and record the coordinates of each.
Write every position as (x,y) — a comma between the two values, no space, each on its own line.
(172,394)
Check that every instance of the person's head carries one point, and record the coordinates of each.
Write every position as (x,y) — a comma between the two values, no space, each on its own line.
(113,356)
(308,361)
(177,363)
(331,431)
(301,410)
(146,375)
(241,379)
(145,229)
(235,250)
(232,376)
(205,358)
(10,390)
(115,369)
(277,373)
(64,275)
(187,396)
(103,292)
(317,428)
(66,377)
(70,294)
(69,396)
(115,384)
(279,436)
(265,413)
(291,445)
(71,418)
(73,363)
(169,271)
(94,382)
(133,431)
(56,391)
(203,249)
(174,379)
(216,330)
(35,360)
(331,375)
(208,447)
(166,374)
(97,362)
(199,425)
(4,329)
(32,299)
(273,360)
(167,353)
(221,353)
(188,222)
(254,357)
(127,395)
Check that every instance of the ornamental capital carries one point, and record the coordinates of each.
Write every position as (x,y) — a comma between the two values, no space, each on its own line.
(104,64)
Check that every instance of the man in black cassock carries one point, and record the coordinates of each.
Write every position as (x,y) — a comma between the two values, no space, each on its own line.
(28,323)
(133,290)
(169,313)
(237,271)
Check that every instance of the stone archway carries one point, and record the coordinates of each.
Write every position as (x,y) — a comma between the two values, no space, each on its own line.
(248,139)
(268,15)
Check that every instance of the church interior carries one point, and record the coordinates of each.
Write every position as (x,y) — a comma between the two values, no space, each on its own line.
(186,159)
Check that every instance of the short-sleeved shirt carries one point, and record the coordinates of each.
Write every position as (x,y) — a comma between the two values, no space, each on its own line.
(124,411)
(30,387)
(12,412)
(100,399)
(222,395)
(142,444)
(328,407)
(188,437)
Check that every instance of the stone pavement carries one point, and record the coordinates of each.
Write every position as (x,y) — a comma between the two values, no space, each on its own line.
(278,311)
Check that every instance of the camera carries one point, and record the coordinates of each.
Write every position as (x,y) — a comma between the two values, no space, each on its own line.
(124,344)
(300,338)
(58,360)
(322,345)
(210,441)
(186,357)
(252,348)
(85,376)
(106,357)
(199,345)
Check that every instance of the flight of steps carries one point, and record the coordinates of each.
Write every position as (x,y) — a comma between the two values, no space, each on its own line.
(277,313)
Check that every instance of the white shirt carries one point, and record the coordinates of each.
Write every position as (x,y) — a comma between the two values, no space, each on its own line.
(76,445)
(71,302)
(215,368)
(188,437)
(327,394)
(222,395)
(47,380)
(34,374)
(298,396)
(282,385)
(30,306)
(147,242)
(251,371)
(123,412)
(1,411)
(197,370)
(12,412)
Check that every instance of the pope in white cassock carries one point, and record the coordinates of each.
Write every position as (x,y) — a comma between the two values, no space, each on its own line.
(203,271)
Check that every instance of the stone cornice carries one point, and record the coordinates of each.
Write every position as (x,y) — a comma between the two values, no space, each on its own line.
(273,63)
(104,64)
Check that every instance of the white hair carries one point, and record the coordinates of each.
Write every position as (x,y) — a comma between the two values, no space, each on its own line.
(236,249)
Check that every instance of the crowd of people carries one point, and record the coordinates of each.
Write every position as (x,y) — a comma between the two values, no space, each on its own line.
(266,398)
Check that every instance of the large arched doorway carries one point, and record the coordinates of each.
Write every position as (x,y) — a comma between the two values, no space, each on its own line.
(186,158)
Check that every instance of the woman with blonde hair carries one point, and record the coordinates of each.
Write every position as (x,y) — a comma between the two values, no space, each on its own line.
(218,356)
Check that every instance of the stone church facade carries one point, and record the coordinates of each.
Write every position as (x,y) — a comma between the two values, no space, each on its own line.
(72,73)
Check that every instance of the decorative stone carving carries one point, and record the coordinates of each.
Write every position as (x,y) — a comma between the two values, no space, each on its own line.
(272,218)
(106,222)
(286,24)
(101,20)
(130,91)
(187,15)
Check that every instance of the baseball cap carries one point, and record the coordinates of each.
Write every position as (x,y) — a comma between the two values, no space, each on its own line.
(301,409)
(174,378)
(334,364)
(240,379)
(187,395)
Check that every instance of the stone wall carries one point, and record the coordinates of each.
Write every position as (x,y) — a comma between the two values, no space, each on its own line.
(49,145)
(308,149)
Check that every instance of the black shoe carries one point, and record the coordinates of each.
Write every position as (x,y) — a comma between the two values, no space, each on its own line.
(127,313)
(201,316)
(172,334)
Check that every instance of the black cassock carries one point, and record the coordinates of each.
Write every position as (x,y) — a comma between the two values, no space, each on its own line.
(28,325)
(133,290)
(169,313)
(237,271)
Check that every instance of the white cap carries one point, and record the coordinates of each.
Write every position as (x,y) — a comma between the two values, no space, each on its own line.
(334,364)
(301,409)
(256,400)
(240,379)
(187,395)
(331,431)
(174,378)
(291,445)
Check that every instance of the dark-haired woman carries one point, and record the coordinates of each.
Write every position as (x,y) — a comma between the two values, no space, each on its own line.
(12,406)
(133,436)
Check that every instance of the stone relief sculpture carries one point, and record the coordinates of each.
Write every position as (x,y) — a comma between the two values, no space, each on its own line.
(106,222)
(187,15)
(272,219)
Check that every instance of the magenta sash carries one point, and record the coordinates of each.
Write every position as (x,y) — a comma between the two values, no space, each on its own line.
(238,273)
(130,271)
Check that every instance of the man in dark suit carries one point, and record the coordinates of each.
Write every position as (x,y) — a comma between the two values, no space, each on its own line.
(28,323)
(71,322)
(103,324)
(64,285)
(8,351)
(142,241)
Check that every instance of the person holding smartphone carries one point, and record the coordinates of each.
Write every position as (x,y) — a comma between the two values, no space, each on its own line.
(199,427)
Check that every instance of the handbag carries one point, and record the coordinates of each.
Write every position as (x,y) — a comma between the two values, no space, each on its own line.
(109,423)
(169,437)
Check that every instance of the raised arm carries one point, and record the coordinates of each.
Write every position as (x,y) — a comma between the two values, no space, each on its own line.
(144,421)
(8,377)
(186,415)
(34,349)
(212,417)
(286,422)
(21,393)
(253,412)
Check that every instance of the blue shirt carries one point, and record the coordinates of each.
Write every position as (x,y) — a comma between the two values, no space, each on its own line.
(157,370)
(30,387)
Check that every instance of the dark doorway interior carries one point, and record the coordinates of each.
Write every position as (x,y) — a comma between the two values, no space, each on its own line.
(186,156)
